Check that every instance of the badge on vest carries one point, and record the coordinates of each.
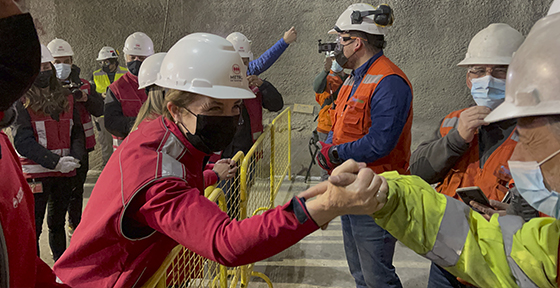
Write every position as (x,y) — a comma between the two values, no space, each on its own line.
(36,187)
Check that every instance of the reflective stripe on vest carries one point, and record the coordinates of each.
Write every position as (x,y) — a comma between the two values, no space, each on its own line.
(36,168)
(88,129)
(101,79)
(452,234)
(117,141)
(493,178)
(510,225)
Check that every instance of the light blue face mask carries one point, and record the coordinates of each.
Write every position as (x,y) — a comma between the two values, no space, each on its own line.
(335,67)
(529,181)
(488,91)
(62,70)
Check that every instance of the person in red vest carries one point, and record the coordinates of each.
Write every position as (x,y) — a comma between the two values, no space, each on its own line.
(467,151)
(49,138)
(123,99)
(88,102)
(326,85)
(19,65)
(150,198)
(371,122)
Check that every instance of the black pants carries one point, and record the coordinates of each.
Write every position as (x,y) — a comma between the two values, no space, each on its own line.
(55,196)
(77,195)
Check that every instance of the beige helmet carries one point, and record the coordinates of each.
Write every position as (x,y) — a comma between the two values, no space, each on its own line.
(349,20)
(554,8)
(493,45)
(205,64)
(138,44)
(532,84)
(107,53)
(241,43)
(60,48)
(46,55)
(147,75)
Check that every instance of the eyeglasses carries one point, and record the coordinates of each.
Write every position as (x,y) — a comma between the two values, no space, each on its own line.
(341,38)
(499,72)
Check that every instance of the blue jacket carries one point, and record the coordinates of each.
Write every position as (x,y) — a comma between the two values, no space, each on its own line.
(390,105)
(258,66)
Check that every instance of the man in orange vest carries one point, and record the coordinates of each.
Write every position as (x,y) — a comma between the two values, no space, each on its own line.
(372,118)
(327,84)
(467,151)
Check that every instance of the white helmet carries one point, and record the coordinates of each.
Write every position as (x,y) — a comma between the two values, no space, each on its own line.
(532,82)
(46,55)
(60,48)
(205,64)
(554,8)
(107,53)
(493,45)
(138,44)
(365,24)
(241,43)
(147,75)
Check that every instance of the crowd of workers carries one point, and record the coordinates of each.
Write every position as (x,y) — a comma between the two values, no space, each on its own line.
(169,123)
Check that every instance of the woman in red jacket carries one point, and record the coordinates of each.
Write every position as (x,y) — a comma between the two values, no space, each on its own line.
(49,138)
(149,197)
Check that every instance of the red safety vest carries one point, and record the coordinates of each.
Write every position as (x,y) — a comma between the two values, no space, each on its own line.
(85,116)
(324,123)
(352,116)
(131,98)
(164,153)
(53,135)
(493,179)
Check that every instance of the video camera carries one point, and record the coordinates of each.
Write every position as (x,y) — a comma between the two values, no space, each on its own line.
(74,89)
(326,47)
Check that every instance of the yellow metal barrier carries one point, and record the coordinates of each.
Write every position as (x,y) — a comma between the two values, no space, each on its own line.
(250,192)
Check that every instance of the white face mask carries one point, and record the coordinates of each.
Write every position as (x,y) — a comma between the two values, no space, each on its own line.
(62,70)
(529,181)
(488,91)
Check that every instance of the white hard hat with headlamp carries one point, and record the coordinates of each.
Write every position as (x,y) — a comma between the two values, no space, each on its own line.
(365,18)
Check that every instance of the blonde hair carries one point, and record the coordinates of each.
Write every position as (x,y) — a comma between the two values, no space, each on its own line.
(152,108)
(179,99)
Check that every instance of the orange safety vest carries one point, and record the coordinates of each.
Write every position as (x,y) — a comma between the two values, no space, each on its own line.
(493,179)
(324,123)
(352,116)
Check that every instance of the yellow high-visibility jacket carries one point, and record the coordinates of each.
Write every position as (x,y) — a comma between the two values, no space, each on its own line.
(102,81)
(502,252)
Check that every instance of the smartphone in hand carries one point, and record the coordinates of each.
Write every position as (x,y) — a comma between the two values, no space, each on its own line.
(469,194)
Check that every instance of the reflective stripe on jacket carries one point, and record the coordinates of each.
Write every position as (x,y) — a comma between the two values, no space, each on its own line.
(502,252)
(53,135)
(129,96)
(492,179)
(351,117)
(85,117)
(102,81)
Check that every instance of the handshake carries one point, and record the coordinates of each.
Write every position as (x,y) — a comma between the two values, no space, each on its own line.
(352,188)
(67,164)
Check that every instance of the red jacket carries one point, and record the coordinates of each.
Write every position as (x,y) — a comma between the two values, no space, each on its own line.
(254,109)
(150,198)
(17,218)
(53,135)
(131,98)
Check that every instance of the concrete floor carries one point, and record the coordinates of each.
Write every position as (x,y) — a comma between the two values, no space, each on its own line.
(316,261)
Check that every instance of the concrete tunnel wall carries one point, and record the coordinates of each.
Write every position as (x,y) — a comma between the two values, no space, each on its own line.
(427,40)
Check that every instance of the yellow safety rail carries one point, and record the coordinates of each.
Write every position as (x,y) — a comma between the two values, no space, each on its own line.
(250,192)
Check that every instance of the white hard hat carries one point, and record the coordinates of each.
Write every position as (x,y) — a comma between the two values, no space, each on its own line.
(60,48)
(532,84)
(205,64)
(241,43)
(147,75)
(493,45)
(367,25)
(107,53)
(46,55)
(554,8)
(138,44)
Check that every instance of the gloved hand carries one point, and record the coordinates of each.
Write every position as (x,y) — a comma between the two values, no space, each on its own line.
(328,157)
(67,164)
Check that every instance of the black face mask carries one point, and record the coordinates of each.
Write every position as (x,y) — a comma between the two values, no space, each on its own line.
(213,133)
(339,56)
(43,79)
(134,67)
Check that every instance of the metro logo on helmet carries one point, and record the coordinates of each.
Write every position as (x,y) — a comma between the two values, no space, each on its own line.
(236,69)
